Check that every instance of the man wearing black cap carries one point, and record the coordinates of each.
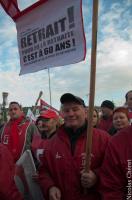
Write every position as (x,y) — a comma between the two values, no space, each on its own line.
(107,108)
(62,173)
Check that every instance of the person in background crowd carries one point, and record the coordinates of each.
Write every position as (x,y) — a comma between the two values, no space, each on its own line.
(18,132)
(95,117)
(17,135)
(47,123)
(1,123)
(60,121)
(47,126)
(61,174)
(120,120)
(116,171)
(39,124)
(8,190)
(106,120)
(128,103)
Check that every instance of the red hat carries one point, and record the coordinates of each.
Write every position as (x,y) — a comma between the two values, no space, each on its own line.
(48,114)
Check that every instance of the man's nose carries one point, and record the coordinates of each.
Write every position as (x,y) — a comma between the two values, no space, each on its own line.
(71,113)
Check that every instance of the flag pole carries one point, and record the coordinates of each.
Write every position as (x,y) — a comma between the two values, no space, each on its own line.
(92,85)
(49,87)
(36,103)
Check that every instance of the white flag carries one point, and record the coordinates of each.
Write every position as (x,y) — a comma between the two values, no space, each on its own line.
(30,115)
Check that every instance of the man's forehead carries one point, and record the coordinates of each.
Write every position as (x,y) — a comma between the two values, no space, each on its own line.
(14,105)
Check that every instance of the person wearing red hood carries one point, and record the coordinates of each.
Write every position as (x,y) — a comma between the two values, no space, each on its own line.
(61,173)
(8,190)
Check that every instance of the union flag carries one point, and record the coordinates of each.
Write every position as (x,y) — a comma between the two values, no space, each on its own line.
(46,106)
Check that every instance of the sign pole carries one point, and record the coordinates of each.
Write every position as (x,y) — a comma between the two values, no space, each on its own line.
(49,86)
(36,103)
(92,85)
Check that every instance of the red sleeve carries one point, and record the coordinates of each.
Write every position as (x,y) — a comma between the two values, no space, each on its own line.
(8,189)
(100,143)
(112,178)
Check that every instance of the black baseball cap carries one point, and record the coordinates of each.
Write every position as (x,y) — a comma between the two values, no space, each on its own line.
(108,104)
(68,98)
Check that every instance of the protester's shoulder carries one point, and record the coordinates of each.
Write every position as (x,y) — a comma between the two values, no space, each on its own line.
(123,136)
(31,127)
(30,124)
(100,133)
(57,137)
(120,142)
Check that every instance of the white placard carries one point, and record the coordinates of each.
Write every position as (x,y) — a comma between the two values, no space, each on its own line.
(51,35)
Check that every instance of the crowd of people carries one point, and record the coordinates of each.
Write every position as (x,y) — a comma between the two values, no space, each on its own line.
(59,152)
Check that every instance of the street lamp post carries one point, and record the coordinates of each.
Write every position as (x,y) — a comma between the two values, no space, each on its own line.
(4,96)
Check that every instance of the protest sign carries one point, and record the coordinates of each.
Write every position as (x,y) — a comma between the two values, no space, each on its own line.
(26,163)
(51,35)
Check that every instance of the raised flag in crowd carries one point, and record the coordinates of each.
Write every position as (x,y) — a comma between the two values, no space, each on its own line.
(46,106)
(11,7)
(30,115)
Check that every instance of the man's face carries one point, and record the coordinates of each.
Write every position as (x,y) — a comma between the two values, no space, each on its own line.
(129,100)
(15,111)
(106,112)
(40,125)
(49,125)
(74,115)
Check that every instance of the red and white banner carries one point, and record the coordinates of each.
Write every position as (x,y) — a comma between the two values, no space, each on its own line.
(11,7)
(46,106)
(51,35)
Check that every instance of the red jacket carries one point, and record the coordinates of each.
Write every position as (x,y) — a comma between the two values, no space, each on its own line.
(17,136)
(106,124)
(62,169)
(8,190)
(116,171)
(38,146)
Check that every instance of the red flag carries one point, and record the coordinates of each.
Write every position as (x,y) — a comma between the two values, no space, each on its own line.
(46,106)
(11,7)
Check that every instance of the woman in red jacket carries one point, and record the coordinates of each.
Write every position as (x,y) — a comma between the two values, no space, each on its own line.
(121,119)
(8,188)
